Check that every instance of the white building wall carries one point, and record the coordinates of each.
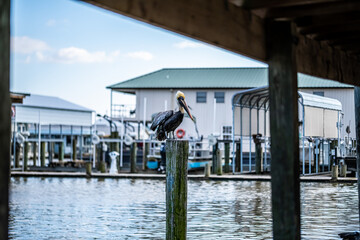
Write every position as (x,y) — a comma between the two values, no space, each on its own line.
(52,116)
(204,112)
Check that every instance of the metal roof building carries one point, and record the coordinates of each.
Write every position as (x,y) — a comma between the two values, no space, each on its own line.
(214,78)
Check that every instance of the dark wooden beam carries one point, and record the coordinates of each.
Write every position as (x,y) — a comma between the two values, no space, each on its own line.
(283,98)
(216,22)
(328,29)
(330,19)
(254,4)
(312,10)
(222,24)
(4,116)
(357,129)
(335,36)
(321,60)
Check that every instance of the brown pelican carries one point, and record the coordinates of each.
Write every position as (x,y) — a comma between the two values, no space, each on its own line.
(166,122)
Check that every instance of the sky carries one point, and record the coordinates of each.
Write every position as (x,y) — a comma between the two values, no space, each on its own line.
(73,50)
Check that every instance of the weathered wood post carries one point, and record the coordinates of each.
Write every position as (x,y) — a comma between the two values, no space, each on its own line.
(207,170)
(133,157)
(88,169)
(334,172)
(74,148)
(26,155)
(357,127)
(17,154)
(218,162)
(258,153)
(176,188)
(214,164)
(43,152)
(283,99)
(61,151)
(34,150)
(5,122)
(237,158)
(227,157)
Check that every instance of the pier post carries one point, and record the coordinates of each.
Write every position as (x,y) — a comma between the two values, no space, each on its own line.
(283,99)
(334,172)
(237,158)
(214,164)
(207,170)
(61,151)
(258,153)
(133,156)
(43,152)
(218,162)
(88,169)
(17,154)
(176,188)
(34,153)
(357,129)
(74,143)
(5,122)
(227,157)
(26,155)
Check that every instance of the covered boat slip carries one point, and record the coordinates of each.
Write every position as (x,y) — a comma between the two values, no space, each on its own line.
(319,121)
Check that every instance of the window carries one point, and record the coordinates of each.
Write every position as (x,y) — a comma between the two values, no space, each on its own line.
(319,93)
(201,97)
(220,97)
(227,132)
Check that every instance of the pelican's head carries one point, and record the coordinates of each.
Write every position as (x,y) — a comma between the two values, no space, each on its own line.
(180,97)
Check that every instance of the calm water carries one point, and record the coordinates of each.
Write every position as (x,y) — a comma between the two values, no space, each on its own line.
(55,208)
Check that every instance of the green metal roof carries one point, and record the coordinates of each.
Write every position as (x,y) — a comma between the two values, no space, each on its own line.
(215,78)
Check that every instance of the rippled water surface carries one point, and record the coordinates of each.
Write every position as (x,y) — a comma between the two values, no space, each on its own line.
(56,208)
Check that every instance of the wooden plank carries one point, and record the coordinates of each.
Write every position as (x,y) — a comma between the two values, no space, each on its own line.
(283,98)
(235,29)
(357,129)
(216,22)
(321,60)
(176,188)
(4,116)
(253,4)
(324,8)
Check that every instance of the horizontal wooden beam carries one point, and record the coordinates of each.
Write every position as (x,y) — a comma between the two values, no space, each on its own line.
(335,28)
(224,25)
(216,22)
(330,19)
(254,4)
(293,12)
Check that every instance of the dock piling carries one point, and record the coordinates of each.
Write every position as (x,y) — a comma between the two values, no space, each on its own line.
(227,157)
(133,150)
(218,162)
(34,153)
(88,169)
(214,164)
(25,157)
(176,188)
(43,152)
(207,170)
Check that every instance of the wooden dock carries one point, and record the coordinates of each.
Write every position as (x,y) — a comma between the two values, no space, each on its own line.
(227,177)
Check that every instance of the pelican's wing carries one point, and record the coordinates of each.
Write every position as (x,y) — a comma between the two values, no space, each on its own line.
(160,118)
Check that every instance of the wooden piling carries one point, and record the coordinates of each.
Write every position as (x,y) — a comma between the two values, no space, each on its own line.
(334,172)
(146,149)
(214,164)
(176,188)
(357,129)
(17,154)
(74,148)
(258,158)
(133,156)
(227,157)
(218,162)
(5,122)
(343,169)
(237,158)
(88,169)
(207,170)
(43,152)
(34,150)
(283,99)
(61,151)
(102,167)
(26,155)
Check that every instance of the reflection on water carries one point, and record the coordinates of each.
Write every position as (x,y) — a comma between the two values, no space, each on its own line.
(56,208)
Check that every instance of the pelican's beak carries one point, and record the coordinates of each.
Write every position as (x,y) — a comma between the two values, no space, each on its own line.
(184,105)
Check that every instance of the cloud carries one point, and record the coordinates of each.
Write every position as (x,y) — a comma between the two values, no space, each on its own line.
(187,44)
(141,55)
(77,55)
(26,45)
